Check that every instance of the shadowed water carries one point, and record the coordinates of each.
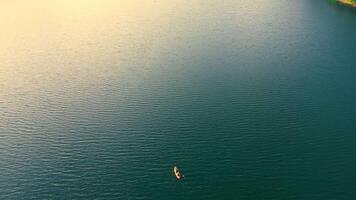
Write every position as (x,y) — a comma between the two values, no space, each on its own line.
(251,99)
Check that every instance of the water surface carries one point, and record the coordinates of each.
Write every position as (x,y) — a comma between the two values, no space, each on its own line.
(252,99)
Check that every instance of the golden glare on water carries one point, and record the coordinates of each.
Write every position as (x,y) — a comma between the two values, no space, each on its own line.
(48,44)
(72,46)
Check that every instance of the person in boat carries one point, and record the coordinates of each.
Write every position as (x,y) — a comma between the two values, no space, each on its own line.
(179,175)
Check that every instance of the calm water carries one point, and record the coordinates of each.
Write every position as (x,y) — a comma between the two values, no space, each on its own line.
(252,99)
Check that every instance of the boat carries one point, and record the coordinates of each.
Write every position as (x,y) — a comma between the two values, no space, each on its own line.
(177,173)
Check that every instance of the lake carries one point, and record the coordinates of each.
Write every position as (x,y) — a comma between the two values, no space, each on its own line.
(250,99)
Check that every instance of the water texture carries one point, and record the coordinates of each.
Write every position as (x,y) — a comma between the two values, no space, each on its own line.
(251,99)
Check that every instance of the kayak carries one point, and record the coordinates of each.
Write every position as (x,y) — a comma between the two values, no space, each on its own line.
(177,173)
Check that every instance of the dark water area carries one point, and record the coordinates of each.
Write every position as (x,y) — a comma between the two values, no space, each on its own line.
(251,99)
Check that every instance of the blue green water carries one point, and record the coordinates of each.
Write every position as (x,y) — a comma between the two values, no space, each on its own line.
(251,99)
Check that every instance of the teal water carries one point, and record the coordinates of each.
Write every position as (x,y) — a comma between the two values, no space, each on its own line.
(251,99)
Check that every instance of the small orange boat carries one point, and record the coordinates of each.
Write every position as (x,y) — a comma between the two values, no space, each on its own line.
(177,173)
